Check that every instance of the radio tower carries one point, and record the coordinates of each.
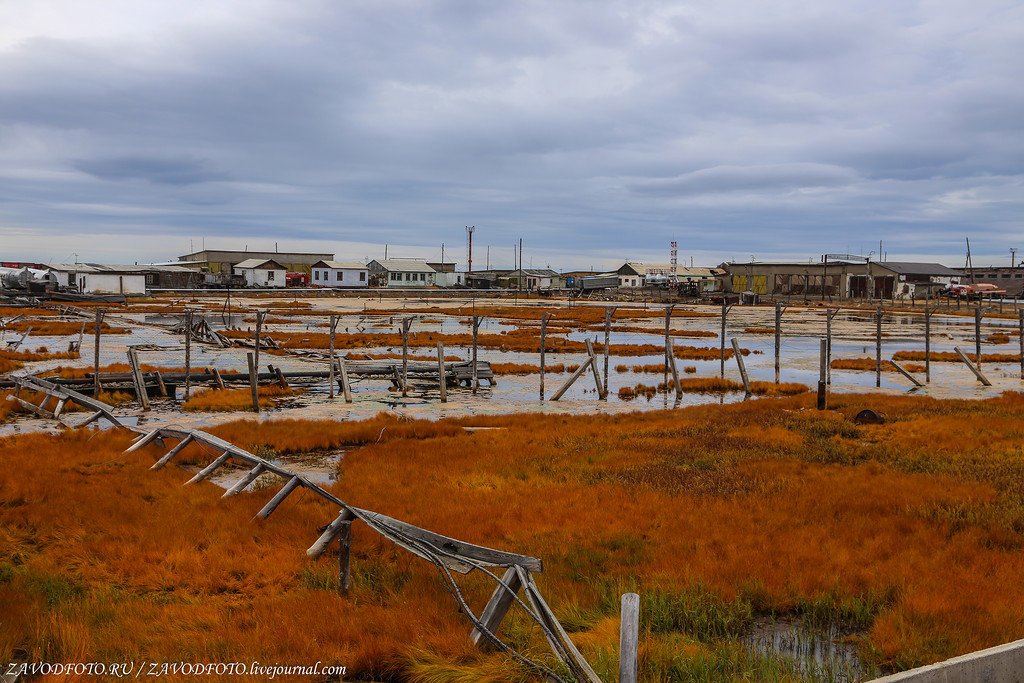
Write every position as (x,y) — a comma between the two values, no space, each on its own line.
(469,237)
(674,258)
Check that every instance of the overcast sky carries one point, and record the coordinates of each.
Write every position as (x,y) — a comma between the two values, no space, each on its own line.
(133,130)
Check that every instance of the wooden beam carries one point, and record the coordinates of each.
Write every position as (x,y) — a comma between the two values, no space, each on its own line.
(209,469)
(977,371)
(253,382)
(188,357)
(903,371)
(822,373)
(321,544)
(140,381)
(497,607)
(344,557)
(279,497)
(629,637)
(96,353)
(330,346)
(242,483)
(671,356)
(173,452)
(778,341)
(442,378)
(593,367)
(584,366)
(543,339)
(742,366)
(346,386)
(878,346)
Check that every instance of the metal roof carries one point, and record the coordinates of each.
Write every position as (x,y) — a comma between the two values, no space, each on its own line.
(252,263)
(340,265)
(911,268)
(404,265)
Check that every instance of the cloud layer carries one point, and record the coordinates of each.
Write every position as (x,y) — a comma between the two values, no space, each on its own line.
(592,131)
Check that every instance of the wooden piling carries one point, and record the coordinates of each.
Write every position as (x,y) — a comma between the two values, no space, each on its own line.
(346,386)
(544,332)
(670,354)
(497,607)
(330,346)
(1020,339)
(260,316)
(668,320)
(878,346)
(742,366)
(96,353)
(829,316)
(822,373)
(593,367)
(442,380)
(607,347)
(406,324)
(778,341)
(253,382)
(725,312)
(977,335)
(476,376)
(344,557)
(927,343)
(138,379)
(584,366)
(188,356)
(629,637)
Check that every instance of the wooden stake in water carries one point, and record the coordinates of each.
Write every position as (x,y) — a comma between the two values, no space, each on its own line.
(822,373)
(741,365)
(725,312)
(476,377)
(977,335)
(829,315)
(878,346)
(96,354)
(927,343)
(406,324)
(344,555)
(543,334)
(260,316)
(442,380)
(668,319)
(330,347)
(1020,338)
(188,355)
(253,382)
(607,346)
(778,341)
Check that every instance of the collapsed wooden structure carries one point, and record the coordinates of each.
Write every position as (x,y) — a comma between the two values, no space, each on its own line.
(63,396)
(447,554)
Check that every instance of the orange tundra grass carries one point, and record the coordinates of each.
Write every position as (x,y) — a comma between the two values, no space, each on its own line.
(915,525)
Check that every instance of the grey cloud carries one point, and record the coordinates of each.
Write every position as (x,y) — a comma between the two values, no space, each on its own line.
(774,177)
(159,170)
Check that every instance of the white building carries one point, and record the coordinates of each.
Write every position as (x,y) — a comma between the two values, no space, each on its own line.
(262,273)
(94,278)
(340,274)
(400,273)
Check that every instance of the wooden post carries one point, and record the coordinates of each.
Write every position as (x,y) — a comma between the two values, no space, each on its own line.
(668,319)
(188,356)
(903,371)
(253,382)
(406,324)
(138,379)
(476,377)
(607,347)
(330,346)
(442,379)
(593,366)
(1020,339)
(977,371)
(778,340)
(497,607)
(260,315)
(346,386)
(927,343)
(725,312)
(878,346)
(96,354)
(670,354)
(742,366)
(216,377)
(977,335)
(822,373)
(344,557)
(584,366)
(544,331)
(629,637)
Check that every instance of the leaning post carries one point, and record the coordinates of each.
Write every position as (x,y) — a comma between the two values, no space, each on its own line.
(878,346)
(977,335)
(543,333)
(476,376)
(96,354)
(253,382)
(330,346)
(822,373)
(721,356)
(778,340)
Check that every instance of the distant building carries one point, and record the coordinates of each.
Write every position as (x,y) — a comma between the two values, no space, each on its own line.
(223,262)
(260,272)
(840,279)
(340,274)
(529,279)
(1005,277)
(486,279)
(572,278)
(400,272)
(445,275)
(95,278)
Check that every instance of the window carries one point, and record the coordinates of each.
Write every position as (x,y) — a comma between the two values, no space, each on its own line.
(340,276)
(362,276)
(316,274)
(407,277)
(423,277)
(270,275)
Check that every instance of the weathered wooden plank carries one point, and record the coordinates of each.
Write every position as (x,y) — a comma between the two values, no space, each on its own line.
(629,637)
(279,497)
(593,367)
(319,547)
(903,371)
(344,557)
(497,607)
(209,469)
(572,378)
(742,366)
(144,441)
(253,383)
(249,478)
(977,371)
(442,375)
(173,452)
(671,356)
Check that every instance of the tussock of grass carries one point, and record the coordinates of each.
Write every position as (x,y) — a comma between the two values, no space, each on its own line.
(951,357)
(868,364)
(224,400)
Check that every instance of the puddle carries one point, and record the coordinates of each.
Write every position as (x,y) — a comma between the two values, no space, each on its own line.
(828,654)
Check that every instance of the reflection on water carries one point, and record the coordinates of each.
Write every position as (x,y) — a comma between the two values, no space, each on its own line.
(817,653)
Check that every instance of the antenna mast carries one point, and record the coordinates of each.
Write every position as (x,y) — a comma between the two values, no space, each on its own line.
(674,260)
(469,236)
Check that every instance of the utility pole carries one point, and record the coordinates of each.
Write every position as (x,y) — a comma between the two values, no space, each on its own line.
(469,234)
